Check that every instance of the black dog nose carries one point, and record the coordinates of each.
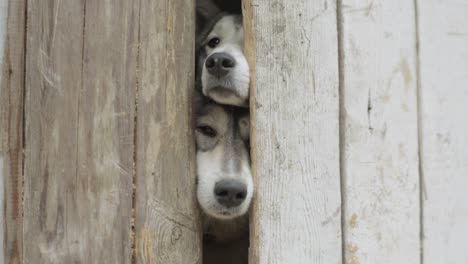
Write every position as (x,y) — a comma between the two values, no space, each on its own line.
(219,63)
(230,193)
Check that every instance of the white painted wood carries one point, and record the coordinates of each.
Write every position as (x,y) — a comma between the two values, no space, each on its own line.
(380,150)
(443,28)
(296,213)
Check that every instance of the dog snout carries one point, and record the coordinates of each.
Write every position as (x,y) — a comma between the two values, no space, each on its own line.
(230,193)
(220,63)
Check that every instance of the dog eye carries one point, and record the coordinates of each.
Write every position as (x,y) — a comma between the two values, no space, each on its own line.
(214,42)
(207,131)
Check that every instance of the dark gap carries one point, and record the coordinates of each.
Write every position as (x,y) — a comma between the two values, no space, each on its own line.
(369,110)
(422,190)
(80,92)
(135,145)
(342,118)
(23,85)
(233,6)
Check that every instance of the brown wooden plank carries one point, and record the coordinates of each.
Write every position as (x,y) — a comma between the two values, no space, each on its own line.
(167,222)
(106,127)
(81,66)
(53,82)
(11,127)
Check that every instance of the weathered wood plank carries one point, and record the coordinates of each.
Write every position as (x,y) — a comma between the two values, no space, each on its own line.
(167,225)
(3,123)
(106,127)
(81,81)
(379,132)
(296,213)
(53,82)
(3,30)
(443,40)
(2,215)
(12,48)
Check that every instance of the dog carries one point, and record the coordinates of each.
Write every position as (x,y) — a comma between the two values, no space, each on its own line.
(222,68)
(225,186)
(222,119)
(224,179)
(222,126)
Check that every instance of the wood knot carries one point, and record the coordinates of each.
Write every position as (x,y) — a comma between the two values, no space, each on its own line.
(176,234)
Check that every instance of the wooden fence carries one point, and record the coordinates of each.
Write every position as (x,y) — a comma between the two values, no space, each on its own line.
(359,137)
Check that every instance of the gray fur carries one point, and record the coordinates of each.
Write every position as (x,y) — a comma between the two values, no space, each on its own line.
(232,89)
(226,155)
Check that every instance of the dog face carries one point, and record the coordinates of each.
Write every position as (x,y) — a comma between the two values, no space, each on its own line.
(225,184)
(224,68)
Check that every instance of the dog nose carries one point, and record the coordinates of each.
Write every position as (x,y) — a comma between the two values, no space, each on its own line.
(230,193)
(219,63)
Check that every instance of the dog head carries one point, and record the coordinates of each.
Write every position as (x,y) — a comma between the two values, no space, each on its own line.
(225,185)
(222,67)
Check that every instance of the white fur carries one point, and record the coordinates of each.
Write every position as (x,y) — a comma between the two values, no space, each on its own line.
(210,172)
(231,36)
(212,166)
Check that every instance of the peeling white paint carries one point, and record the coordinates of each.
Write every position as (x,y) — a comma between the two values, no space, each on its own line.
(380,151)
(444,141)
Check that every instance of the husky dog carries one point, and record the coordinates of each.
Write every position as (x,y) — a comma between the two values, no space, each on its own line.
(222,69)
(225,184)
(222,126)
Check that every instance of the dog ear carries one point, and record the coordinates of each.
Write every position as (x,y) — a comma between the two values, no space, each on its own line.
(207,9)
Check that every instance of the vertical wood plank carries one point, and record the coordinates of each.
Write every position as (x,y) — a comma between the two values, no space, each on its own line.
(296,213)
(443,40)
(106,128)
(380,133)
(3,122)
(12,49)
(80,79)
(53,84)
(167,225)
(2,215)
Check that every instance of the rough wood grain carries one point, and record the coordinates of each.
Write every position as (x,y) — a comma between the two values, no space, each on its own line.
(3,30)
(379,132)
(296,213)
(443,40)
(12,48)
(167,226)
(2,215)
(80,79)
